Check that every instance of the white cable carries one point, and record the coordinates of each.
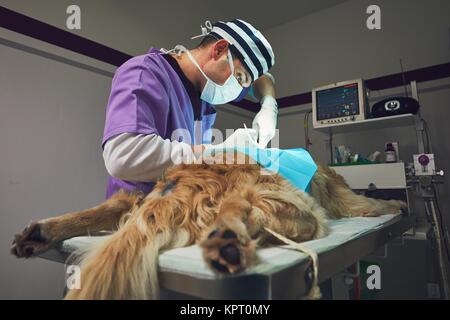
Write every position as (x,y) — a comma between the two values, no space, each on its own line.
(314,292)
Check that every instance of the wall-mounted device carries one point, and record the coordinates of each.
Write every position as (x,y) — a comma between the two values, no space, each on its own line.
(339,103)
(395,106)
(424,165)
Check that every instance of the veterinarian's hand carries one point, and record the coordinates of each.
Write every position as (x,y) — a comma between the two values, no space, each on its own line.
(241,138)
(265,122)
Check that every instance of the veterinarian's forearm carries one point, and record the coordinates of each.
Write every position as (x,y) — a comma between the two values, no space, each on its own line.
(264,86)
(139,157)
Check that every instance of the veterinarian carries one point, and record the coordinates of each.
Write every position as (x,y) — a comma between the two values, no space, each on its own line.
(162,104)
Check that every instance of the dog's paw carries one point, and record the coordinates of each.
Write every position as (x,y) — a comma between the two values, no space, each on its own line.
(30,242)
(227,252)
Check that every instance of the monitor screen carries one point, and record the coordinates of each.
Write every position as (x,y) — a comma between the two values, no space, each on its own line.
(337,102)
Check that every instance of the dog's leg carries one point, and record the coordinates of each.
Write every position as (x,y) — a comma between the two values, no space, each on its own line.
(333,193)
(229,245)
(124,265)
(40,236)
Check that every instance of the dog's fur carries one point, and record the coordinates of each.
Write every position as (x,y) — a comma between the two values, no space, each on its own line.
(223,207)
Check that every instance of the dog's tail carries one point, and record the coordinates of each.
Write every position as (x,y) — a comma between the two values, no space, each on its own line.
(333,193)
(124,265)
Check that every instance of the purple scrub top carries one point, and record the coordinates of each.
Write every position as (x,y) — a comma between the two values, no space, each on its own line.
(150,95)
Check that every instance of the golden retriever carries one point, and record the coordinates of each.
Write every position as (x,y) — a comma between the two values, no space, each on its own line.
(223,206)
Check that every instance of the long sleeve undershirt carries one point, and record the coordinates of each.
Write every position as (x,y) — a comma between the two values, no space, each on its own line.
(140,157)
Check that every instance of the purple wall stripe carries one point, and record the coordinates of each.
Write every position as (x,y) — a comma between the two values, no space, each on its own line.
(247,105)
(294,100)
(435,72)
(20,23)
(23,24)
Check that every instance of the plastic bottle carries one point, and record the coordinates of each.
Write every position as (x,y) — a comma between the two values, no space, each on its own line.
(391,155)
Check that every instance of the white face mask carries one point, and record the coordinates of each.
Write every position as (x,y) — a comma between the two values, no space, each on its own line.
(212,92)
